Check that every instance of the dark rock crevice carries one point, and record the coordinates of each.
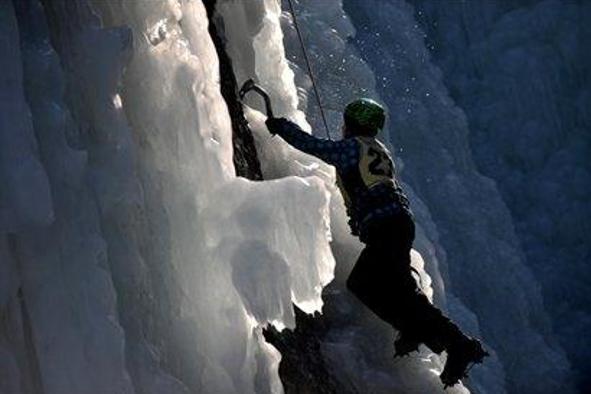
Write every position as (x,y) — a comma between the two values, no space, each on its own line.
(246,161)
(302,368)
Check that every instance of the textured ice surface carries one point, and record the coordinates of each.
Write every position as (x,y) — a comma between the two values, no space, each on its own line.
(198,258)
(66,321)
(243,251)
(145,265)
(24,197)
(476,228)
(540,158)
(360,351)
(151,267)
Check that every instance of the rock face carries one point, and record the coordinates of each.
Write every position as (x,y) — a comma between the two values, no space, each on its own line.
(245,156)
(302,368)
(520,70)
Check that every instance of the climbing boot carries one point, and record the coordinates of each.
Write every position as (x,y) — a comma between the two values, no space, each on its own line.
(405,344)
(460,358)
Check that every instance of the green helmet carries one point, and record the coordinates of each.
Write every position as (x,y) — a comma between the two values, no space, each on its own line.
(366,114)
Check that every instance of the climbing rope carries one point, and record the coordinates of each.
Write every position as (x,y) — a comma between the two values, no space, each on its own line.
(310,73)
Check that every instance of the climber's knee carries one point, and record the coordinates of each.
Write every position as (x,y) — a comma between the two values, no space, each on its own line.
(352,285)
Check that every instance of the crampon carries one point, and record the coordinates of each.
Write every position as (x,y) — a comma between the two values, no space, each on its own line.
(460,358)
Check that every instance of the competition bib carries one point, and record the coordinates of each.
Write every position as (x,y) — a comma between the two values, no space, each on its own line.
(375,163)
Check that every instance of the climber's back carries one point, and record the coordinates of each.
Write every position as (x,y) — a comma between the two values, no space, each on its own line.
(365,170)
(369,186)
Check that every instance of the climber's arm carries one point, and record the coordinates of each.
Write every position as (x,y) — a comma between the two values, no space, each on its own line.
(332,152)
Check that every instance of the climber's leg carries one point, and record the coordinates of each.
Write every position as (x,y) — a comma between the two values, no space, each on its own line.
(427,324)
(382,279)
(364,283)
(417,319)
(379,277)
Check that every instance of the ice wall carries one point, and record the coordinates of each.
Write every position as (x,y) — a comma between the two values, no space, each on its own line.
(475,225)
(68,300)
(133,259)
(358,348)
(519,70)
(342,75)
(151,267)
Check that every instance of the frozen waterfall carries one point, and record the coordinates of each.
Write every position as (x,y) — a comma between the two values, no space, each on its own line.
(133,259)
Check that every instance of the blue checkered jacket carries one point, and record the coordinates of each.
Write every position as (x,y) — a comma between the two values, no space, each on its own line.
(365,173)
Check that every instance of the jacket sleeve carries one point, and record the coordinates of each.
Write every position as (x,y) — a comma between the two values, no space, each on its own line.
(337,153)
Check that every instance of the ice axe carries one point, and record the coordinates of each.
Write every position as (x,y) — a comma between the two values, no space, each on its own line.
(251,85)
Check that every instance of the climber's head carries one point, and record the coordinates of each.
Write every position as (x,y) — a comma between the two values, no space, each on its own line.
(363,117)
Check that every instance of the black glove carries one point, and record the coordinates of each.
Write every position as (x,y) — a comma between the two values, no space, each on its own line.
(275,124)
(354,226)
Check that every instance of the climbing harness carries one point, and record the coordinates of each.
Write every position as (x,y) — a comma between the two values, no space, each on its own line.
(307,60)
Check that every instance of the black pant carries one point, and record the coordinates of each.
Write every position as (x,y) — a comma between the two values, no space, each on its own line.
(383,281)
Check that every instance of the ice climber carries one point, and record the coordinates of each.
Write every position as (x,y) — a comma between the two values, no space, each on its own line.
(380,215)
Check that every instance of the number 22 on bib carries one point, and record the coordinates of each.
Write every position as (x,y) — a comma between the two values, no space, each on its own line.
(375,164)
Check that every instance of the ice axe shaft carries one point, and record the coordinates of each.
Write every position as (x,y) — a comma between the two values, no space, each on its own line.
(250,85)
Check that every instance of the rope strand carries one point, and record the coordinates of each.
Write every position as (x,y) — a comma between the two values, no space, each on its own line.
(307,60)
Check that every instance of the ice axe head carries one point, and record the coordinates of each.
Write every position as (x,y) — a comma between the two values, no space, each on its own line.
(251,85)
(246,87)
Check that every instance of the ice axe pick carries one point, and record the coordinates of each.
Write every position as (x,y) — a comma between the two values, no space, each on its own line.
(250,85)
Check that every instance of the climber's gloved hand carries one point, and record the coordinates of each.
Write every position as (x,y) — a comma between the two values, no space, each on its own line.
(354,226)
(275,125)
